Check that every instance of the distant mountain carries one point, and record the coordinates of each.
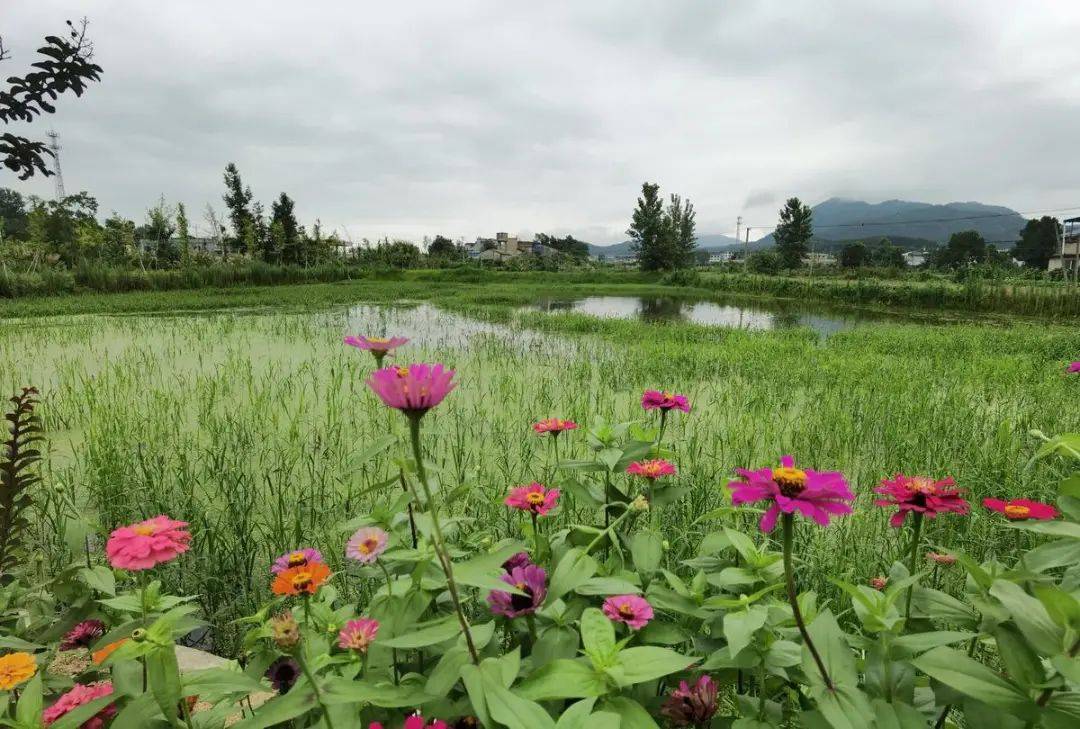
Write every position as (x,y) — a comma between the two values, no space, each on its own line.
(710,242)
(843,219)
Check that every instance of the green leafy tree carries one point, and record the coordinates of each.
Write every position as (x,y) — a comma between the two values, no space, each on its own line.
(65,65)
(238,201)
(680,231)
(963,248)
(183,233)
(663,239)
(1039,240)
(260,241)
(887,255)
(118,240)
(854,255)
(793,233)
(13,214)
(292,243)
(159,229)
(443,247)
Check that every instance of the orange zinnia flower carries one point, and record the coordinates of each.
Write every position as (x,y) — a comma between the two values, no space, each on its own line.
(16,668)
(100,656)
(299,580)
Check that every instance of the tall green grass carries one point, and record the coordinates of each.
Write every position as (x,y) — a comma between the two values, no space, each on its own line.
(250,424)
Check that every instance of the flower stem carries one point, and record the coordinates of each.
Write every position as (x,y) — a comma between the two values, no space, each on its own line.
(793,598)
(440,545)
(913,559)
(412,519)
(390,594)
(663,426)
(314,686)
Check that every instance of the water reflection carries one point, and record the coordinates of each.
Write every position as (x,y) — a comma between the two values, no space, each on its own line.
(755,316)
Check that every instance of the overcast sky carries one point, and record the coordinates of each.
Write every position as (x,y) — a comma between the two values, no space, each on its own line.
(466,117)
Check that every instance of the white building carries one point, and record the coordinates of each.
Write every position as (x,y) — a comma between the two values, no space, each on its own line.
(1068,255)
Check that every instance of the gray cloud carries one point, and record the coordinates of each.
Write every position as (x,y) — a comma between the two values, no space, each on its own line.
(417,118)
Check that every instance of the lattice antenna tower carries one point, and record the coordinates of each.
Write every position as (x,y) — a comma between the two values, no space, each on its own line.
(58,176)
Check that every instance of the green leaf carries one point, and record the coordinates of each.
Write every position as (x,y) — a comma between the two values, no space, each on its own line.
(971,678)
(1021,663)
(845,708)
(574,717)
(739,627)
(834,651)
(573,569)
(447,671)
(607,586)
(896,715)
(646,549)
(280,709)
(337,690)
(1063,608)
(425,634)
(632,715)
(28,710)
(645,663)
(99,578)
(563,679)
(1031,617)
(214,683)
(916,643)
(1068,529)
(511,710)
(1058,553)
(558,641)
(598,637)
(163,677)
(601,720)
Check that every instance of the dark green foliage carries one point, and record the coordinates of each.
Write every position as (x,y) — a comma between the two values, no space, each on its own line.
(763,262)
(663,239)
(290,236)
(17,459)
(793,233)
(1039,240)
(65,66)
(569,245)
(238,201)
(963,249)
(854,255)
(12,215)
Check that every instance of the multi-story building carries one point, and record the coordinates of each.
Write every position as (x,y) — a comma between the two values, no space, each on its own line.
(1068,256)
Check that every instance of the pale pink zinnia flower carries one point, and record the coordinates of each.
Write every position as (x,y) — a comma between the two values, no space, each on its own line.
(533,498)
(147,544)
(633,610)
(919,495)
(554,426)
(366,544)
(815,494)
(357,635)
(652,469)
(656,400)
(414,389)
(295,558)
(376,345)
(82,694)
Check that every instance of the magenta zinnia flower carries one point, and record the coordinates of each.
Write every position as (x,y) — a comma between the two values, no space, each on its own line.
(78,695)
(533,498)
(652,469)
(296,558)
(656,400)
(920,495)
(554,426)
(692,706)
(366,544)
(283,673)
(1022,509)
(416,721)
(147,544)
(521,559)
(82,635)
(531,580)
(815,494)
(1073,367)
(376,345)
(633,610)
(357,635)
(414,389)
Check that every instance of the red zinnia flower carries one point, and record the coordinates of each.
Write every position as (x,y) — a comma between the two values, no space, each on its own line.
(651,470)
(554,426)
(1022,509)
(920,495)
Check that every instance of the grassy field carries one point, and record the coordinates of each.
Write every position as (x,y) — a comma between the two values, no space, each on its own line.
(249,419)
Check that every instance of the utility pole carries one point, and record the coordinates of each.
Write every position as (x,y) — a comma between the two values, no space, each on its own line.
(54,147)
(738,228)
(746,251)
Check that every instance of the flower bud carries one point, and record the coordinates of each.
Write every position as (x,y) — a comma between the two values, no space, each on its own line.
(138,635)
(640,503)
(284,631)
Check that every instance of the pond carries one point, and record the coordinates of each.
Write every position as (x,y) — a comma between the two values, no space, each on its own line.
(758,315)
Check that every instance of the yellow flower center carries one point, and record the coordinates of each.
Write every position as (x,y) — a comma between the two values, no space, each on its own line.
(297,559)
(1017,511)
(791,481)
(402,372)
(921,485)
(535,498)
(625,610)
(301,580)
(144,530)
(377,340)
(368,545)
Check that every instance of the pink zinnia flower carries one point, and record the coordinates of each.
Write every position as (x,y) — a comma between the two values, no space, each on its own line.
(651,470)
(816,494)
(357,635)
(879,583)
(656,400)
(1022,509)
(521,559)
(692,706)
(147,544)
(554,426)
(414,389)
(376,345)
(296,558)
(938,558)
(633,610)
(533,498)
(416,721)
(82,694)
(530,580)
(920,495)
(82,635)
(1073,367)
(366,544)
